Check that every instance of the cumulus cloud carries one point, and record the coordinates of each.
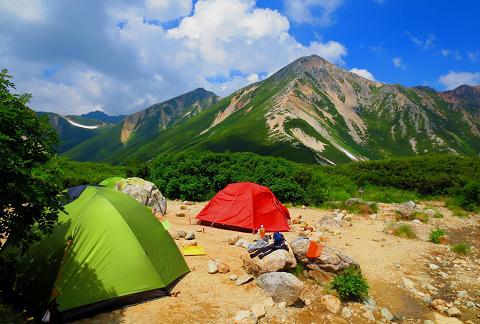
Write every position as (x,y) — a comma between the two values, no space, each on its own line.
(452,79)
(363,73)
(398,62)
(317,12)
(121,56)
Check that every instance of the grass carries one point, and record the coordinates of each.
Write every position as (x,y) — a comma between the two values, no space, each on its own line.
(388,194)
(420,216)
(461,248)
(298,270)
(436,235)
(350,285)
(405,231)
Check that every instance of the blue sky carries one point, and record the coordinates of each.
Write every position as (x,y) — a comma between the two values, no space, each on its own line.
(122,55)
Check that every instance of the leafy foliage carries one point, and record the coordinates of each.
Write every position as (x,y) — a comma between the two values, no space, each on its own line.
(405,231)
(351,285)
(29,194)
(461,248)
(436,235)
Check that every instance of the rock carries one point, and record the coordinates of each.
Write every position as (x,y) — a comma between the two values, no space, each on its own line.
(145,192)
(180,214)
(428,322)
(373,216)
(243,280)
(331,260)
(329,222)
(276,261)
(433,266)
(181,233)
(242,243)
(370,304)
(353,201)
(268,302)
(222,267)
(212,267)
(173,233)
(242,315)
(258,310)
(190,243)
(470,304)
(427,299)
(416,221)
(190,236)
(319,276)
(281,286)
(233,277)
(386,314)
(407,283)
(462,294)
(369,315)
(233,240)
(332,303)
(406,209)
(347,312)
(454,312)
(282,305)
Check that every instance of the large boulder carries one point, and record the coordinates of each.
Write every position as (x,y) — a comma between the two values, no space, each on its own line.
(331,259)
(144,192)
(276,261)
(406,209)
(281,286)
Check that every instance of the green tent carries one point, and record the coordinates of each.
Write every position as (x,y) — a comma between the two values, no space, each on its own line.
(107,251)
(110,182)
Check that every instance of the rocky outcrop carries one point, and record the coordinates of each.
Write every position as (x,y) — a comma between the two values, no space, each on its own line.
(276,261)
(144,192)
(281,286)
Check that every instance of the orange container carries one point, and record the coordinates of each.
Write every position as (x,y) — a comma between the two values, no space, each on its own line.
(314,250)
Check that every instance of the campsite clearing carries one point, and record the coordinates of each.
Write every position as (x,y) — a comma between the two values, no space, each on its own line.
(384,259)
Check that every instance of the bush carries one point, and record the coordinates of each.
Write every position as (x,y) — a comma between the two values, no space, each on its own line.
(405,231)
(350,285)
(420,216)
(461,248)
(436,235)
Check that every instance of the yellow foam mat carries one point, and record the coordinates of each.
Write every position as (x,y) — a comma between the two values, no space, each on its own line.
(193,250)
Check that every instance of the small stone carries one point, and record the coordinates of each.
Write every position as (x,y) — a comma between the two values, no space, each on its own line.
(258,310)
(457,302)
(386,314)
(190,243)
(347,312)
(433,266)
(180,214)
(470,304)
(212,267)
(242,315)
(369,315)
(182,207)
(373,216)
(462,294)
(332,303)
(181,233)
(454,312)
(190,236)
(243,280)
(173,233)
(348,244)
(282,305)
(233,240)
(427,299)
(268,302)
(407,283)
(307,302)
(233,277)
(222,267)
(397,265)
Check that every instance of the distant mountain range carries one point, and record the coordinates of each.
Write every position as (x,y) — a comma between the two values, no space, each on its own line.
(310,111)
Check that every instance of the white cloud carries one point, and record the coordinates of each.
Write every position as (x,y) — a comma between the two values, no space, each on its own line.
(317,12)
(28,10)
(473,55)
(121,63)
(363,73)
(398,62)
(379,1)
(445,52)
(424,43)
(452,79)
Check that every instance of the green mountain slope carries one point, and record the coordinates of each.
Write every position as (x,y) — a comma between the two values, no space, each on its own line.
(309,111)
(142,126)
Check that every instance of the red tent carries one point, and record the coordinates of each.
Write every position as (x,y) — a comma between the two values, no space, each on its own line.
(246,205)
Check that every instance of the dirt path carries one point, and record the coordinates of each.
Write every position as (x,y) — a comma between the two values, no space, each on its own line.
(206,298)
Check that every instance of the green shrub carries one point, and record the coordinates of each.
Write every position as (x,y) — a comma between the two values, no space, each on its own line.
(436,235)
(350,285)
(437,214)
(420,216)
(461,248)
(405,231)
(298,270)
